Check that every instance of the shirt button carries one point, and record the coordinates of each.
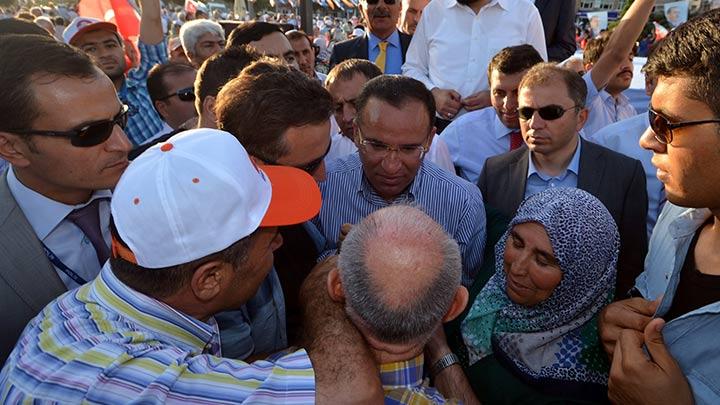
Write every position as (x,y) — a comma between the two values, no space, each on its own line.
(552,184)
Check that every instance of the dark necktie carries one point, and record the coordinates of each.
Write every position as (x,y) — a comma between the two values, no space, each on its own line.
(516,140)
(87,219)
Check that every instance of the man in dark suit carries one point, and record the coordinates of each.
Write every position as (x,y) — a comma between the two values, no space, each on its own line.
(558,19)
(556,156)
(382,43)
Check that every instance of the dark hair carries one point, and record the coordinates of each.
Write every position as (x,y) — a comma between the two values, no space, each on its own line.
(294,35)
(691,51)
(250,32)
(514,59)
(166,281)
(397,91)
(544,74)
(57,20)
(23,60)
(596,46)
(348,68)
(18,26)
(264,101)
(219,69)
(156,78)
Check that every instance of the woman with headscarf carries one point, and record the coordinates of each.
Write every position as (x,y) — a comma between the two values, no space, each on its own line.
(531,333)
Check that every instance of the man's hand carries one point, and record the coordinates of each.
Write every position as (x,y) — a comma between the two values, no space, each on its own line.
(476,101)
(636,378)
(447,102)
(633,314)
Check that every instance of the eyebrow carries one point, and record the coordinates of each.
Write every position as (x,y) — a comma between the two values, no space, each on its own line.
(399,146)
(666,114)
(546,255)
(85,123)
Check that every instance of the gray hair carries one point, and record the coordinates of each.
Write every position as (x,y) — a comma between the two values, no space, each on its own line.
(417,304)
(191,31)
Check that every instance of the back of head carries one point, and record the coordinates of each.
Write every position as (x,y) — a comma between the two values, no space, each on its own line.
(156,77)
(595,47)
(514,59)
(10,26)
(348,68)
(400,272)
(219,69)
(267,99)
(550,74)
(25,59)
(690,51)
(397,91)
(251,32)
(191,31)
(294,35)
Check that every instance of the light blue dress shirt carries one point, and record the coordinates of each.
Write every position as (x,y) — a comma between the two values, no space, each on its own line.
(538,181)
(691,338)
(393,58)
(623,137)
(603,108)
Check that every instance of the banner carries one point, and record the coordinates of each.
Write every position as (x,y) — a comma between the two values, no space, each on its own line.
(118,12)
(598,21)
(676,13)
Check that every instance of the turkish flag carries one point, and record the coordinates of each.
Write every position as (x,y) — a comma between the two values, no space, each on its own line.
(118,12)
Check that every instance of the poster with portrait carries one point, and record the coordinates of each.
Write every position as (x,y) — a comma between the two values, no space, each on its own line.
(598,21)
(676,13)
(714,4)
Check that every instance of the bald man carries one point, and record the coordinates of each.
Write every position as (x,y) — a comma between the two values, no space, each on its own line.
(399,276)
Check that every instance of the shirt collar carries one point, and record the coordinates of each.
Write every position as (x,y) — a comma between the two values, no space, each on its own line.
(502,3)
(155,316)
(688,222)
(43,214)
(374,41)
(609,99)
(500,129)
(367,190)
(402,374)
(573,166)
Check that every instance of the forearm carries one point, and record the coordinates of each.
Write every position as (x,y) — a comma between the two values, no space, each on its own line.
(151,32)
(453,384)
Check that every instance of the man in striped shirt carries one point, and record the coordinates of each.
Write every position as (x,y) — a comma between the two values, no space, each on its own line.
(196,240)
(393,129)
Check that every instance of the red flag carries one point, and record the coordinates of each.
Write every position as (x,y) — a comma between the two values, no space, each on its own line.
(118,12)
(190,7)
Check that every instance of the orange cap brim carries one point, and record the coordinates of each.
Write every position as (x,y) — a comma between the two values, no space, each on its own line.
(295,196)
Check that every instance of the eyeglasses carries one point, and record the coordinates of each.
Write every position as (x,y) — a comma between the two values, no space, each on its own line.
(186,94)
(374,2)
(380,150)
(88,135)
(309,168)
(663,128)
(548,113)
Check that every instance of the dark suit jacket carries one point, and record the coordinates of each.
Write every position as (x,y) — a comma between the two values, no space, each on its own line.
(28,280)
(357,48)
(616,180)
(558,18)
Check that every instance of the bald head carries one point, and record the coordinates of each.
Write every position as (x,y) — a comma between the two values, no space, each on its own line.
(400,272)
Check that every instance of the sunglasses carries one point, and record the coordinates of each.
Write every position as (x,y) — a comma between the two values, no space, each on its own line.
(307,168)
(186,94)
(663,128)
(374,2)
(88,135)
(548,113)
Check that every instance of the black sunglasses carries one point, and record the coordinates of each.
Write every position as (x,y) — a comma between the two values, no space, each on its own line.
(548,113)
(186,94)
(374,2)
(308,168)
(88,135)
(663,128)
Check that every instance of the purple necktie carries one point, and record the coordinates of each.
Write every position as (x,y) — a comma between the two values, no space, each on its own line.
(87,219)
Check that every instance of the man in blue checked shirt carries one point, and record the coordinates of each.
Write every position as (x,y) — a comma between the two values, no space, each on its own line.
(102,42)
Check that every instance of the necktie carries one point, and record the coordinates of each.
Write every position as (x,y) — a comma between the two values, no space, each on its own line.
(380,60)
(87,219)
(516,140)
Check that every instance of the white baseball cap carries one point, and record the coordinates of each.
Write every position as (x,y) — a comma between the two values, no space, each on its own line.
(81,25)
(197,194)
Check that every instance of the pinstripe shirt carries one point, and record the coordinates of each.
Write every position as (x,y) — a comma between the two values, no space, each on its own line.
(106,343)
(143,120)
(452,202)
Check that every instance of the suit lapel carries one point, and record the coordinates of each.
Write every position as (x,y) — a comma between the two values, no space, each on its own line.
(404,44)
(541,4)
(25,267)
(592,168)
(364,49)
(517,179)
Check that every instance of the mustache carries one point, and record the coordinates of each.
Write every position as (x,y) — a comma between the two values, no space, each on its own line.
(381,13)
(626,71)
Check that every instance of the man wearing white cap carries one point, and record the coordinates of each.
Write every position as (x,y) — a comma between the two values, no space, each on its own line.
(194,230)
(102,42)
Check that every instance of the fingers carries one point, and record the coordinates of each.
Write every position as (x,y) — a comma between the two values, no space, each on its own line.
(630,347)
(634,314)
(656,344)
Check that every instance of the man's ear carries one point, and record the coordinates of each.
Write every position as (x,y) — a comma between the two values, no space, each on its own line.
(161,108)
(208,109)
(588,66)
(209,279)
(14,150)
(334,285)
(458,304)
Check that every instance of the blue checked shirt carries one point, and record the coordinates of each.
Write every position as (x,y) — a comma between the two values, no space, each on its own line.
(452,202)
(105,343)
(403,383)
(143,120)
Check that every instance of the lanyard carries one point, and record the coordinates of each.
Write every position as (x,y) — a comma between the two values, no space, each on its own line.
(60,265)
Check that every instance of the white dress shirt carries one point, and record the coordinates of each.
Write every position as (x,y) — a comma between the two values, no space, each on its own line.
(603,109)
(452,46)
(48,219)
(624,137)
(475,137)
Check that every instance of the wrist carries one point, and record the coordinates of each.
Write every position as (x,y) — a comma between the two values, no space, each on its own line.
(446,361)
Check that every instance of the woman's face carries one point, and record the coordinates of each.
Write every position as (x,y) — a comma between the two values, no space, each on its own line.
(530,266)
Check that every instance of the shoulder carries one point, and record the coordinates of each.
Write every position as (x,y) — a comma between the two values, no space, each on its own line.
(349,44)
(501,161)
(617,161)
(342,170)
(453,188)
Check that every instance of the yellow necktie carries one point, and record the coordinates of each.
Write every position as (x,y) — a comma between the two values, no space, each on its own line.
(380,60)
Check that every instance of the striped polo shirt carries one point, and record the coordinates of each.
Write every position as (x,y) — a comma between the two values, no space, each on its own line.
(106,343)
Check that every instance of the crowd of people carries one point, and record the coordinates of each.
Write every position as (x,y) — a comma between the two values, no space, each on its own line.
(451,212)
